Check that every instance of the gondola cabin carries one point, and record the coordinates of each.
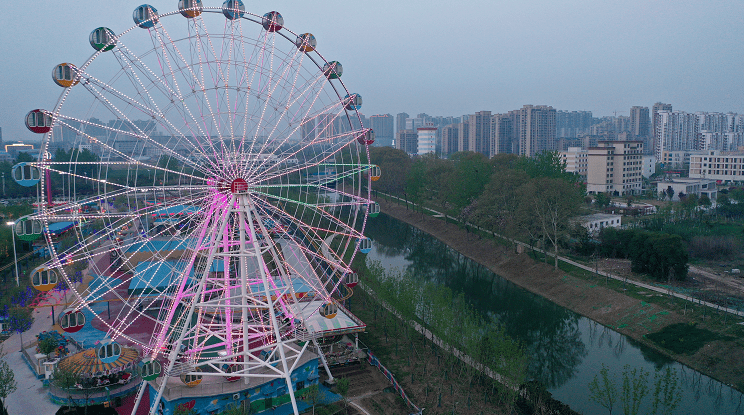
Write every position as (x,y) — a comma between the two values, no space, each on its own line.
(352,279)
(233,9)
(72,320)
(39,121)
(333,70)
(26,174)
(272,21)
(328,310)
(102,39)
(365,245)
(65,75)
(373,209)
(306,42)
(27,229)
(43,278)
(375,172)
(145,16)
(149,369)
(353,102)
(109,351)
(367,138)
(190,8)
(192,379)
(230,369)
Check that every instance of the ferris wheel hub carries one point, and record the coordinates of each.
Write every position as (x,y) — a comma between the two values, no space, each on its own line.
(239,186)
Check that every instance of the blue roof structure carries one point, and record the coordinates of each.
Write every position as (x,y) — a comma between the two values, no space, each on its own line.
(155,245)
(156,277)
(176,210)
(60,227)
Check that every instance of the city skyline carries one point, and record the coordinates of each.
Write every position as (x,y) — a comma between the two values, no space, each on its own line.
(571,56)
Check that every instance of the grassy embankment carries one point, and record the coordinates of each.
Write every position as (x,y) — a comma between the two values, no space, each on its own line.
(623,307)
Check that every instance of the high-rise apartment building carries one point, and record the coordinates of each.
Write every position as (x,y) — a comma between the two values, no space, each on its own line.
(479,136)
(449,139)
(427,139)
(502,135)
(615,166)
(307,131)
(640,122)
(407,140)
(659,106)
(675,131)
(384,129)
(463,135)
(400,122)
(573,124)
(536,130)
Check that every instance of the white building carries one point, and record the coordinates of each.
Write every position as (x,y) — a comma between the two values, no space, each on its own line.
(576,160)
(598,221)
(689,186)
(649,166)
(717,165)
(427,140)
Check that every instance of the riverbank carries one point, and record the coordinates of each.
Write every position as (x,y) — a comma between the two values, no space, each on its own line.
(624,308)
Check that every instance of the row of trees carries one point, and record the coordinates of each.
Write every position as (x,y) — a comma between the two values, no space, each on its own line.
(661,255)
(519,197)
(457,324)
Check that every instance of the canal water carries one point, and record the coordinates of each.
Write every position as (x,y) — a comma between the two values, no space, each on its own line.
(565,350)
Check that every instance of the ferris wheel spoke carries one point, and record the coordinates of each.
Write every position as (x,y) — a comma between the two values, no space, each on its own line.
(153,112)
(137,134)
(288,67)
(168,52)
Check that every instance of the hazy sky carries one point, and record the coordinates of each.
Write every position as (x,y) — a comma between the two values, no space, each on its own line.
(442,57)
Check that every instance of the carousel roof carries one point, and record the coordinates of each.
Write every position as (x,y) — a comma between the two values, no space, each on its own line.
(87,363)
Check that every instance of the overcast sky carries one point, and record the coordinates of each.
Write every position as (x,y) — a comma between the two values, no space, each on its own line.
(442,57)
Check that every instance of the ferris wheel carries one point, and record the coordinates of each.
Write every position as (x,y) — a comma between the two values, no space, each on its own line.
(217,186)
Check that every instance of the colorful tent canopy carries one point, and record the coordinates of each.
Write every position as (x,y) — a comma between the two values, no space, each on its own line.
(87,363)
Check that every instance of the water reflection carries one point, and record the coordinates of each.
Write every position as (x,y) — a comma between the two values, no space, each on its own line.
(566,350)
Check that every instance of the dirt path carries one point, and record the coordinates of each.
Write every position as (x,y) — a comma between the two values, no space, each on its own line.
(590,298)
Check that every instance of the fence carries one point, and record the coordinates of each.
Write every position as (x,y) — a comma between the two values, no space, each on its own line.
(374,362)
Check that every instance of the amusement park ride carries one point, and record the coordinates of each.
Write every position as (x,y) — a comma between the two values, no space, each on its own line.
(222,86)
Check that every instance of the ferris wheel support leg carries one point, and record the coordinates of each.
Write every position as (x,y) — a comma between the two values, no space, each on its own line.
(331,380)
(140,393)
(220,226)
(248,209)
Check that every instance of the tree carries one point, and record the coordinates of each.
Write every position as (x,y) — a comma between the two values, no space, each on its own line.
(670,192)
(313,396)
(66,379)
(8,383)
(394,165)
(20,320)
(48,345)
(342,385)
(602,199)
(497,208)
(603,390)
(634,389)
(667,393)
(704,200)
(552,203)
(467,179)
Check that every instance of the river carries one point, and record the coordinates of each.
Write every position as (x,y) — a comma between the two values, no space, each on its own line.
(565,349)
